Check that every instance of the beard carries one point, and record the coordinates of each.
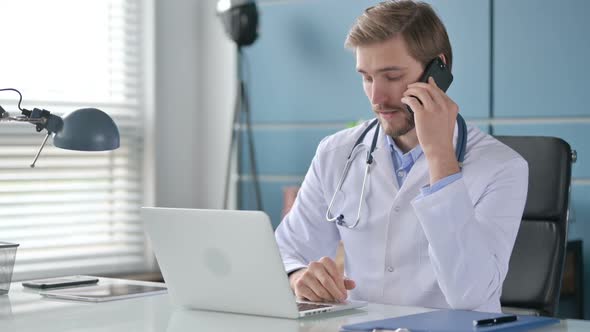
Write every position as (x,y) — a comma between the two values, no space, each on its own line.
(395,127)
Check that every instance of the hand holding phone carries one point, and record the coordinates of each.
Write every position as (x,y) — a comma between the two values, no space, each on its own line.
(435,118)
(441,74)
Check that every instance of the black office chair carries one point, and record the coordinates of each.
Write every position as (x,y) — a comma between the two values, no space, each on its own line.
(535,272)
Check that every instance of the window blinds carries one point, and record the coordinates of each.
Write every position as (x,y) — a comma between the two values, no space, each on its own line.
(75,212)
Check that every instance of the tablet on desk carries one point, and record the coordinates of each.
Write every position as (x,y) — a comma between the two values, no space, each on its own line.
(106,292)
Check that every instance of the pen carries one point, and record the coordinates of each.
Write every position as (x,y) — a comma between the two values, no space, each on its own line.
(495,320)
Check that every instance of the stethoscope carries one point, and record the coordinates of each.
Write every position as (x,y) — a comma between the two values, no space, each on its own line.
(459,153)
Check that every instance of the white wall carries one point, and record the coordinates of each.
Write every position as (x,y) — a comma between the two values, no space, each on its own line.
(195,86)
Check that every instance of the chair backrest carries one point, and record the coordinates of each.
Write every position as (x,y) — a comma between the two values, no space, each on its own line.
(536,266)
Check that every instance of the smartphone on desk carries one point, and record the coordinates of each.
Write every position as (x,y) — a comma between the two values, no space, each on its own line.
(60,282)
(441,74)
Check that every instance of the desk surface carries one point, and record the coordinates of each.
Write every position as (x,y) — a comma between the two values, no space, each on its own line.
(24,310)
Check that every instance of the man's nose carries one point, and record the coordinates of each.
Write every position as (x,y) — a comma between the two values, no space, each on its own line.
(378,95)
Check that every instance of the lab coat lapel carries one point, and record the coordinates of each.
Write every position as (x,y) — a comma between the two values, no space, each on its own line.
(416,178)
(382,168)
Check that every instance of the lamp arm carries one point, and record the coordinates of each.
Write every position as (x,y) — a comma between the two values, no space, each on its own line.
(32,165)
(23,119)
(42,119)
(39,122)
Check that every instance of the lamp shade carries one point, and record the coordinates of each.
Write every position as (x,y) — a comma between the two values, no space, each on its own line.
(87,129)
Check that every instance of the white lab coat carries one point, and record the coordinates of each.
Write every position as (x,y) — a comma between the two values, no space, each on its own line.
(449,249)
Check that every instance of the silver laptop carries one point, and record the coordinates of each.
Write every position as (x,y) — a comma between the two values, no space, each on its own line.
(227,261)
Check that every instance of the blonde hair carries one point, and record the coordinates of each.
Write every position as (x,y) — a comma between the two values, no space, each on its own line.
(422,30)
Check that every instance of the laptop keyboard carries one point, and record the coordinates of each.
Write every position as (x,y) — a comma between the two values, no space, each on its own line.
(311,306)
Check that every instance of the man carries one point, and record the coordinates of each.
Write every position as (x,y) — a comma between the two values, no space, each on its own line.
(430,233)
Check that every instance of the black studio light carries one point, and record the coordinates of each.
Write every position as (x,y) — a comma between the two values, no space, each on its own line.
(240,20)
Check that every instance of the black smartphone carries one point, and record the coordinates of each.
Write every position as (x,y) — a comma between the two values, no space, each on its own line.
(60,282)
(440,73)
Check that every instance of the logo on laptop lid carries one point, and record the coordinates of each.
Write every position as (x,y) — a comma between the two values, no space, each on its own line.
(217,262)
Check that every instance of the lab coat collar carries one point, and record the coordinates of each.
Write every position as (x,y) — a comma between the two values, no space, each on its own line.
(383,162)
(383,143)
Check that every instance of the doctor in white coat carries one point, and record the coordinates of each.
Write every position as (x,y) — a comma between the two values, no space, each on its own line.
(430,233)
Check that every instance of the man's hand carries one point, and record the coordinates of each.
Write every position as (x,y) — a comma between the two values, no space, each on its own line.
(435,120)
(321,281)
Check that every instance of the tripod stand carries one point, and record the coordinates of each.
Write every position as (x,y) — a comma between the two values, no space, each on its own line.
(241,119)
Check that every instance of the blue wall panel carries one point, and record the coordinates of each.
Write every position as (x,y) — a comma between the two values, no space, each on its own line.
(468,26)
(272,198)
(540,61)
(299,70)
(284,151)
(483,127)
(576,134)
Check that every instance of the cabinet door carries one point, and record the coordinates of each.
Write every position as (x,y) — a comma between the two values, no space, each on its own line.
(541,58)
(300,71)
(468,26)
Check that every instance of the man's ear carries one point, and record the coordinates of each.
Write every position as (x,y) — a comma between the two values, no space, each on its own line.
(443,58)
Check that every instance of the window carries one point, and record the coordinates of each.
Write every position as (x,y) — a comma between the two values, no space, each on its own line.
(76,212)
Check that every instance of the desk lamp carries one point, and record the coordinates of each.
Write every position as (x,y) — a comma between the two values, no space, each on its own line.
(86,129)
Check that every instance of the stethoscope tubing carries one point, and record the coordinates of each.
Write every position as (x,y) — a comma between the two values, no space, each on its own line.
(460,150)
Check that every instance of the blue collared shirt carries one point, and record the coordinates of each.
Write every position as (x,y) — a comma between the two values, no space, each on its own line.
(402,164)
